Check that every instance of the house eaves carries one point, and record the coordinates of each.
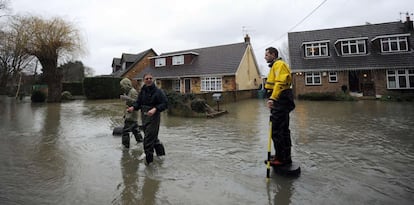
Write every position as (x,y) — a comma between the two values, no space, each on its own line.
(390,36)
(174,54)
(196,76)
(310,42)
(351,39)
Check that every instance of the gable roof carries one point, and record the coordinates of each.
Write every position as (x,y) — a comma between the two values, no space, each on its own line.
(373,60)
(135,58)
(215,60)
(116,62)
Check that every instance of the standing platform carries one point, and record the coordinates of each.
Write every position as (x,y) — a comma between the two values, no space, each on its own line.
(291,170)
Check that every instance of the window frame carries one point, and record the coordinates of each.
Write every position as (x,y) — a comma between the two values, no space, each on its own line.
(313,76)
(176,85)
(394,44)
(386,40)
(211,83)
(316,49)
(178,60)
(333,74)
(160,62)
(399,75)
(353,44)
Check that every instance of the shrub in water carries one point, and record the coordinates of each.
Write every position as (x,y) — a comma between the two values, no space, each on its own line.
(38,96)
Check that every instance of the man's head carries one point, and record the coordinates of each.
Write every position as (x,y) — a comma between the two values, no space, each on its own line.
(271,54)
(126,84)
(148,79)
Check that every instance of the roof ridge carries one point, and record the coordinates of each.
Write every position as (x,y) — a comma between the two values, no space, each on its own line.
(201,48)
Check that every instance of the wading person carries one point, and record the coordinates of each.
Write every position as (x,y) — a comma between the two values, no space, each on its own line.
(280,101)
(151,101)
(130,118)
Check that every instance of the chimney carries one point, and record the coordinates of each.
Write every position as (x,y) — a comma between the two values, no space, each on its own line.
(247,39)
(408,24)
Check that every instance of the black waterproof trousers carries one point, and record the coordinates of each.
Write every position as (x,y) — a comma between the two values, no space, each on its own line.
(280,125)
(130,126)
(151,127)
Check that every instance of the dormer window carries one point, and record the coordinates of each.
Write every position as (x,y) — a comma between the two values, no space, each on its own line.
(178,60)
(351,46)
(316,49)
(392,43)
(159,62)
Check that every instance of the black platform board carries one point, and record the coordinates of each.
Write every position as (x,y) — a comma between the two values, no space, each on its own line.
(117,131)
(292,170)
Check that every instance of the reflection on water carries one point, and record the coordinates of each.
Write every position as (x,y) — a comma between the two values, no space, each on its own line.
(350,153)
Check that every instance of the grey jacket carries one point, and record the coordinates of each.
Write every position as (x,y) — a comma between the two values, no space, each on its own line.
(132,95)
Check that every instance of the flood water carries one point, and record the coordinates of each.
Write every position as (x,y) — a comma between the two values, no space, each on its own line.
(350,153)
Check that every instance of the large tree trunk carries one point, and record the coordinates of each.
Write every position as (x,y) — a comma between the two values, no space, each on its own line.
(53,78)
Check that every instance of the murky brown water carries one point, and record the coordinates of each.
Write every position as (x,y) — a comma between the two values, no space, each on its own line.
(350,153)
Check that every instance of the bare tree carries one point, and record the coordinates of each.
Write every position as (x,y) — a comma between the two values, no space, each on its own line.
(13,59)
(4,7)
(284,52)
(49,41)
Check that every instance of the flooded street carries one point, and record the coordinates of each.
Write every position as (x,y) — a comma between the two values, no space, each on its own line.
(350,153)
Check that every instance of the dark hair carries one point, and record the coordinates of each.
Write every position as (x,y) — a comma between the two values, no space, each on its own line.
(273,51)
(145,74)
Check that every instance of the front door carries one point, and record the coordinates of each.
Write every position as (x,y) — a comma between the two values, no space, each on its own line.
(187,85)
(367,84)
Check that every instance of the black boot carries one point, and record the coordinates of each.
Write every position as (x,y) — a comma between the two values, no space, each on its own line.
(138,137)
(286,156)
(159,149)
(125,140)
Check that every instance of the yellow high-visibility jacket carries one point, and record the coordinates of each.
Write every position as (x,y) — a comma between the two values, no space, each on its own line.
(279,78)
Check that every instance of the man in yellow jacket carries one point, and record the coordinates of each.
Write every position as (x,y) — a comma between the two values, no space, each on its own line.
(280,101)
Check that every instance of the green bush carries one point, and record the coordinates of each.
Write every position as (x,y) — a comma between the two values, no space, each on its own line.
(38,96)
(398,96)
(174,97)
(198,105)
(185,105)
(75,88)
(104,87)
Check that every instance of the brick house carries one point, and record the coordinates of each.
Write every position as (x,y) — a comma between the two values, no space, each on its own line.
(371,59)
(223,68)
(129,65)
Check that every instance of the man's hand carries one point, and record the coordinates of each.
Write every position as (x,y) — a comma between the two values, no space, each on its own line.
(130,109)
(152,111)
(270,103)
(125,97)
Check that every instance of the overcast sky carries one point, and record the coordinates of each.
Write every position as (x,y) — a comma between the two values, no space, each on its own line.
(112,27)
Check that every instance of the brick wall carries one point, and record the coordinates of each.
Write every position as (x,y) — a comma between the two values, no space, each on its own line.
(299,86)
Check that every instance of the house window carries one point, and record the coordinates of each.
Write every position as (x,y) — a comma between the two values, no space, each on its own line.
(211,84)
(333,77)
(353,47)
(394,44)
(316,49)
(178,60)
(400,79)
(159,62)
(313,78)
(176,85)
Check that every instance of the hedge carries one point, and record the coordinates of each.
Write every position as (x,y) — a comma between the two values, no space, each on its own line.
(103,87)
